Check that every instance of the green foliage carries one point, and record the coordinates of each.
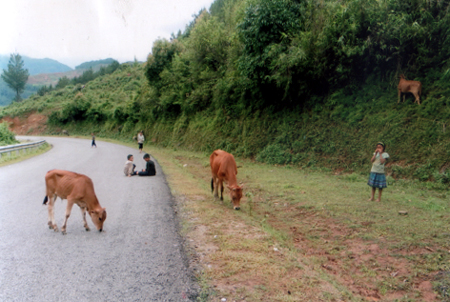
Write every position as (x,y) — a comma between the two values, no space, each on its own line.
(88,75)
(162,54)
(44,89)
(6,136)
(16,76)
(274,154)
(7,95)
(298,82)
(266,32)
(62,82)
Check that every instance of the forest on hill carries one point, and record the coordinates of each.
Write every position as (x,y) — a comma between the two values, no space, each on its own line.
(303,82)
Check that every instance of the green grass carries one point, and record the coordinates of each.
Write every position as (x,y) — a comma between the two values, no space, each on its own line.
(310,216)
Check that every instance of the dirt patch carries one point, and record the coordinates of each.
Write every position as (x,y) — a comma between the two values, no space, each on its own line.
(30,124)
(361,266)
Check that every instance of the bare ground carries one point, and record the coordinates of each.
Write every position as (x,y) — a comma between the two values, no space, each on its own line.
(31,124)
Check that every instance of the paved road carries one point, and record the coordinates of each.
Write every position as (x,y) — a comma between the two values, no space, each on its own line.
(139,257)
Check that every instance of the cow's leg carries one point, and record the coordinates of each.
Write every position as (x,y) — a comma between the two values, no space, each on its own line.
(68,210)
(221,190)
(399,96)
(216,188)
(83,213)
(51,213)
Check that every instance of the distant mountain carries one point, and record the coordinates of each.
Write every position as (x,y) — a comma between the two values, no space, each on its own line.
(94,64)
(44,72)
(36,66)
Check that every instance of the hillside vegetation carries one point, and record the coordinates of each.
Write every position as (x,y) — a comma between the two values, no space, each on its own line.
(45,74)
(6,136)
(308,83)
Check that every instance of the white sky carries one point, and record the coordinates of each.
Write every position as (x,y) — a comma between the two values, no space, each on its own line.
(77,31)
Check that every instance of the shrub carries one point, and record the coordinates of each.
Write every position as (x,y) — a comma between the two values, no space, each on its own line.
(274,154)
(6,136)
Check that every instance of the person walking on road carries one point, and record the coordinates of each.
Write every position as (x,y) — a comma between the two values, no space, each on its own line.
(93,141)
(140,140)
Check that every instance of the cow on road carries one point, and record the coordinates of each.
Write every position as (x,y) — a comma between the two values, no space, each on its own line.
(76,188)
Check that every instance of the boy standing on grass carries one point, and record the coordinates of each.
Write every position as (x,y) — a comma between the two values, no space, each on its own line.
(377,179)
(149,168)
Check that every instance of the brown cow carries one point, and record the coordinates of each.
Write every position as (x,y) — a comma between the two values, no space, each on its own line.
(223,168)
(76,188)
(405,86)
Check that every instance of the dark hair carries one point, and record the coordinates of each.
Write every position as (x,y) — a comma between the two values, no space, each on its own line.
(129,156)
(146,155)
(382,145)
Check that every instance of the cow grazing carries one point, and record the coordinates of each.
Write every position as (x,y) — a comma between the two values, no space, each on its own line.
(76,188)
(405,86)
(223,168)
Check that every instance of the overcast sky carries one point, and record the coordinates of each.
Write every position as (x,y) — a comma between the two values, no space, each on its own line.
(76,31)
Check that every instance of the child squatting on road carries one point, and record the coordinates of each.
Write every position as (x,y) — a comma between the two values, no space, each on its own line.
(377,179)
(129,166)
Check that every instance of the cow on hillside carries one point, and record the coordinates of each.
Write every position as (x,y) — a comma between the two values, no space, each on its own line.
(76,188)
(405,86)
(223,168)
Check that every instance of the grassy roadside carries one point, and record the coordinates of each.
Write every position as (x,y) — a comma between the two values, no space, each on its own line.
(305,235)
(23,155)
(309,235)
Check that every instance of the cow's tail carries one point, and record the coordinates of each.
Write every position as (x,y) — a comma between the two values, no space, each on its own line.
(45,200)
(212,184)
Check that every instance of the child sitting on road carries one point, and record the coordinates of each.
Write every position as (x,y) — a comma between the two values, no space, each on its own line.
(149,168)
(377,178)
(129,166)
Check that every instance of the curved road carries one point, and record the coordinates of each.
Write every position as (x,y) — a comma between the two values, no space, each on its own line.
(139,257)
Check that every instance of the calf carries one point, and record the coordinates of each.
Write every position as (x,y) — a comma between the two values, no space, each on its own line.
(405,86)
(223,168)
(76,188)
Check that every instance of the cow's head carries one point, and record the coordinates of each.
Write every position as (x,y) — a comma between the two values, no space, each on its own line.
(236,195)
(98,217)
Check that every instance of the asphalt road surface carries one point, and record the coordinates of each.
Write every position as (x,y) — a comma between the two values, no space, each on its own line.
(138,257)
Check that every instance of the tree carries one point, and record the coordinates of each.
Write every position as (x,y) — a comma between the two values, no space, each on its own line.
(266,32)
(62,82)
(16,76)
(161,57)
